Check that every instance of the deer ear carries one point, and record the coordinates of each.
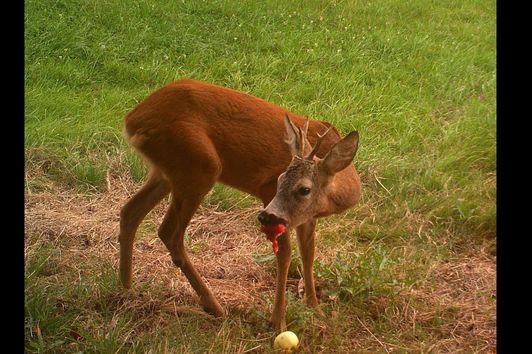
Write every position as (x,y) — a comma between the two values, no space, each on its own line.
(293,136)
(340,155)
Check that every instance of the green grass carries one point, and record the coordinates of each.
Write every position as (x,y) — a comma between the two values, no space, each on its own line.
(416,79)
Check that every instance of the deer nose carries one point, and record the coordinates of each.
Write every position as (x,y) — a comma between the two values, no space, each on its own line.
(266,218)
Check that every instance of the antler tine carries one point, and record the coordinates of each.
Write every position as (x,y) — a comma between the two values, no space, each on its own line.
(317,145)
(302,138)
(303,135)
(305,127)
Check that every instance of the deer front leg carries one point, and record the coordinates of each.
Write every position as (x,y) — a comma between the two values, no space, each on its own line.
(305,239)
(283,263)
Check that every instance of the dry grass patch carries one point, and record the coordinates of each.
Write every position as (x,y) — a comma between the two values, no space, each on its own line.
(448,308)
(85,228)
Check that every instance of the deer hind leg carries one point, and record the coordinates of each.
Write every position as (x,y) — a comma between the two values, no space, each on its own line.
(188,190)
(132,214)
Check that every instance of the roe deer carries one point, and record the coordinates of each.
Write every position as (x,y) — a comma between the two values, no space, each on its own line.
(193,134)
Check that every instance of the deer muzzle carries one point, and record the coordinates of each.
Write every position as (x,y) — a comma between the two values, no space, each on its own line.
(266,218)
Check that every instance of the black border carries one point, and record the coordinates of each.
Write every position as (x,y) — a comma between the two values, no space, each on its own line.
(513,158)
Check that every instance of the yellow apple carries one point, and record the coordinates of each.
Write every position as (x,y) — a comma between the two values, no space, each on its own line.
(287,342)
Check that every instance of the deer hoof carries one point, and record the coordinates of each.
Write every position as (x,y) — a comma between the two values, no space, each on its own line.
(215,310)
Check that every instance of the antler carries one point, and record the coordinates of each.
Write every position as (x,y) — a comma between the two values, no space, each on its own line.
(317,145)
(298,141)
(305,127)
(304,140)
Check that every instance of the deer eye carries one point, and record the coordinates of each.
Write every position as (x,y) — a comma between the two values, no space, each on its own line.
(303,191)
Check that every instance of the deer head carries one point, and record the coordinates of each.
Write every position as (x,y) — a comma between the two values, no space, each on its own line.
(308,188)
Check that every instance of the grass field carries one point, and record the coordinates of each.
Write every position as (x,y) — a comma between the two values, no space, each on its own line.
(411,269)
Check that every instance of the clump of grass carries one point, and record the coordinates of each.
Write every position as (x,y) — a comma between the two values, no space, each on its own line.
(355,279)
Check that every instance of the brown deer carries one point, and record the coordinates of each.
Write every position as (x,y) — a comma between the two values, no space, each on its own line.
(193,134)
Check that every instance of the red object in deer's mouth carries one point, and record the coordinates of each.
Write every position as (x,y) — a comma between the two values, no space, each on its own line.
(272,232)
